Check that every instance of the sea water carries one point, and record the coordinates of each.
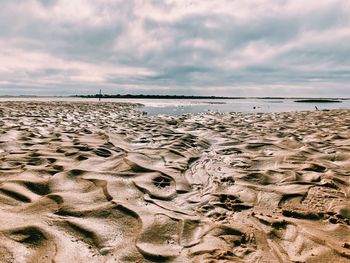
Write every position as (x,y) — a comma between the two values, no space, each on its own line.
(183,106)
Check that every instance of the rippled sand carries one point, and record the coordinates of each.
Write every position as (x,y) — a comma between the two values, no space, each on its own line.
(98,182)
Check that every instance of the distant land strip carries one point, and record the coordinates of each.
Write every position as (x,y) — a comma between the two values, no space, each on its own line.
(141,96)
(319,101)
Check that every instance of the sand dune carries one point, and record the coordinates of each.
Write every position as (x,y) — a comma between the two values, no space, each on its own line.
(98,182)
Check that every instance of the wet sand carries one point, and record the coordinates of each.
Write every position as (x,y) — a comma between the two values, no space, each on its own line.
(99,182)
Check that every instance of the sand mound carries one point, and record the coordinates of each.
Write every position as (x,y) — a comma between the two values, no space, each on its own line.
(98,182)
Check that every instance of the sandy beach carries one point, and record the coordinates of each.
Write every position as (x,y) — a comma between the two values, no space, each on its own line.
(99,182)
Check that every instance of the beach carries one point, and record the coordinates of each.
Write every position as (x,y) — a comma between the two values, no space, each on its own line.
(101,182)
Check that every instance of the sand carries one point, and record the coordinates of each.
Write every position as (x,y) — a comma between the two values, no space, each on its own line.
(99,182)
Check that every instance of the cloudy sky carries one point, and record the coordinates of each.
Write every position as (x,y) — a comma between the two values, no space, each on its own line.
(202,47)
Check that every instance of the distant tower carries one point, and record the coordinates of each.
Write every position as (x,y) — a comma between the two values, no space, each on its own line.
(99,98)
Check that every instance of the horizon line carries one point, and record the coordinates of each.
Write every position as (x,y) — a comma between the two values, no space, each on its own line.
(146,96)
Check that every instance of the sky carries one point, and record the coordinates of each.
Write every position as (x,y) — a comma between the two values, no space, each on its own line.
(188,47)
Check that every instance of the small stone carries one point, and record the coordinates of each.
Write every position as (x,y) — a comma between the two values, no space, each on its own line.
(105,250)
(171,122)
(346,245)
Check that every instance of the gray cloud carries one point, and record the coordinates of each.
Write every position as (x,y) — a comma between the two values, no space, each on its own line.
(253,48)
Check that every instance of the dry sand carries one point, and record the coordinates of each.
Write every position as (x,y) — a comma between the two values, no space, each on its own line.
(97,182)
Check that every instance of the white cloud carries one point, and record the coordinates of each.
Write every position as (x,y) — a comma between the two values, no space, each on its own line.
(22,64)
(202,44)
(67,11)
(137,40)
(245,11)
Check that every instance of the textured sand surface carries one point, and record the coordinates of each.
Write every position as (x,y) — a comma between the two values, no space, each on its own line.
(97,182)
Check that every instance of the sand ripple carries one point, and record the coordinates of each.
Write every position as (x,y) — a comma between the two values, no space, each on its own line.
(98,182)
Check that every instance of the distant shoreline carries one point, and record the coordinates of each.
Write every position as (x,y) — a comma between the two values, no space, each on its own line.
(140,96)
